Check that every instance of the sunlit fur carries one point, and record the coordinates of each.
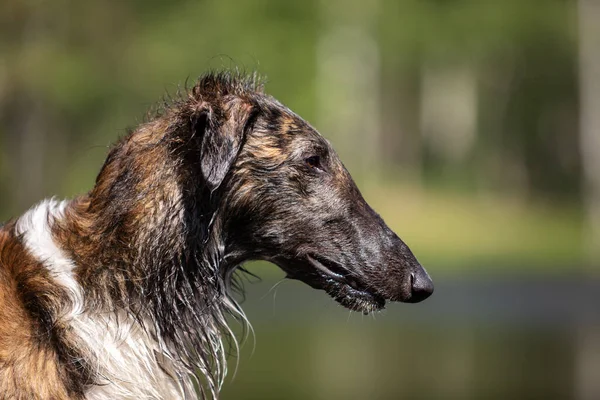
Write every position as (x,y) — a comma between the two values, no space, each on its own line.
(127,291)
(168,283)
(123,354)
(142,261)
(129,359)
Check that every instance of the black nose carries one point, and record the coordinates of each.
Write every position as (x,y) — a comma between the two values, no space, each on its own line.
(421,286)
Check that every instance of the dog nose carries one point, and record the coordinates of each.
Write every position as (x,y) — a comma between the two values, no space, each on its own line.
(421,286)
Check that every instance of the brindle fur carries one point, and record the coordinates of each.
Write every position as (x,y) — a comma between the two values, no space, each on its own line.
(36,358)
(221,175)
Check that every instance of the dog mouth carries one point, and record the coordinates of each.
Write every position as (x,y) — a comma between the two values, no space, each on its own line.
(342,285)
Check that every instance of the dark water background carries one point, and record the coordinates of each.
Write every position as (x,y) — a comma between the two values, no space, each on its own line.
(488,337)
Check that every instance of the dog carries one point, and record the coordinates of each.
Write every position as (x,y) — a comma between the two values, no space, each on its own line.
(125,292)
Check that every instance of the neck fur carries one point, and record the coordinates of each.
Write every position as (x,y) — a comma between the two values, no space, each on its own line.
(146,243)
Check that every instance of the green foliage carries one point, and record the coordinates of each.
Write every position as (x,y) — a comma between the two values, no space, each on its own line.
(85,70)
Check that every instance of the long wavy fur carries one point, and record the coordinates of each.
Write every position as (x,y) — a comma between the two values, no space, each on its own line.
(190,296)
(170,271)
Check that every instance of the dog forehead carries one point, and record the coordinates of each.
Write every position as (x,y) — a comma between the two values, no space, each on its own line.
(277,120)
(279,135)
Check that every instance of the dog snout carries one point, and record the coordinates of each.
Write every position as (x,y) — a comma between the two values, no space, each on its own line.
(421,285)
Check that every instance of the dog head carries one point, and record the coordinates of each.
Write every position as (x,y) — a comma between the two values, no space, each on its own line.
(289,199)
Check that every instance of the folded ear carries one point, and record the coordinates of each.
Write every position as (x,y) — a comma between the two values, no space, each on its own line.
(222,133)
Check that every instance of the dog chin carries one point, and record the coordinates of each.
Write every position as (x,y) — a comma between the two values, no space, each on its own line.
(355,299)
(347,291)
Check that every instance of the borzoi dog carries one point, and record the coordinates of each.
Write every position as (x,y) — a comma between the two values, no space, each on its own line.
(126,292)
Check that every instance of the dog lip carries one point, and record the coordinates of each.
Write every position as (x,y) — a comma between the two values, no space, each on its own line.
(334,275)
(328,268)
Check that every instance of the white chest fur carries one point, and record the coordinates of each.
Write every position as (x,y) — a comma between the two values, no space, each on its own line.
(128,361)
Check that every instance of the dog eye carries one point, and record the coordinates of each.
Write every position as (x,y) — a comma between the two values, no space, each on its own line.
(313,162)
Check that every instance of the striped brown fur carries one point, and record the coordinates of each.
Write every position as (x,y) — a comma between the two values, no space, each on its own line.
(38,359)
(127,291)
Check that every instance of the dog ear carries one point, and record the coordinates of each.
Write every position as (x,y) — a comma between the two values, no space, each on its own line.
(222,133)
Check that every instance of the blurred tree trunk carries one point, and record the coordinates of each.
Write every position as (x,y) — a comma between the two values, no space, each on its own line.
(24,121)
(449,110)
(588,385)
(34,149)
(26,150)
(589,37)
(401,141)
(348,69)
(587,361)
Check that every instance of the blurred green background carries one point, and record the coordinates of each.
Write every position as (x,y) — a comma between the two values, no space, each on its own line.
(471,126)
